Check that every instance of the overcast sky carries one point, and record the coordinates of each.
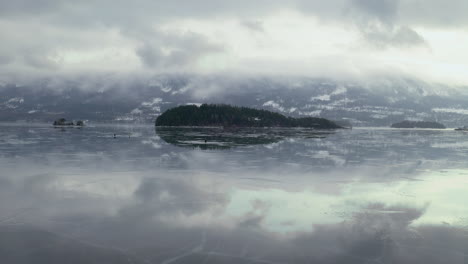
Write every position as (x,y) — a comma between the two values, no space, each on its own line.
(425,39)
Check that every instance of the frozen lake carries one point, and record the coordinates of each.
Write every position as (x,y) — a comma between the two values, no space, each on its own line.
(185,195)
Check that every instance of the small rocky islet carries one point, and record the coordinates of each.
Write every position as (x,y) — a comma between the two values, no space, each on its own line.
(63,122)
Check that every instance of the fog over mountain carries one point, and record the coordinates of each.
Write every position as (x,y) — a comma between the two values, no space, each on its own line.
(143,99)
(373,62)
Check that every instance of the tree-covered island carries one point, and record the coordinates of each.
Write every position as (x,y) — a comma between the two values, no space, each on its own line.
(233,116)
(418,124)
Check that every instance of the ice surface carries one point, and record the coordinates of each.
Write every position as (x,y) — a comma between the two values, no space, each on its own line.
(250,196)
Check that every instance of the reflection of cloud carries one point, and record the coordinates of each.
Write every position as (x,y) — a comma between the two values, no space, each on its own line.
(381,234)
(255,217)
(377,232)
(153,141)
(125,198)
(22,246)
(166,198)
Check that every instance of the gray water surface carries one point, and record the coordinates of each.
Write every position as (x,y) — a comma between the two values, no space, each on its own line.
(244,196)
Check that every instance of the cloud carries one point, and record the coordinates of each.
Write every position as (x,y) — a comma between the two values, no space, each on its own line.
(41,61)
(407,36)
(150,56)
(379,25)
(130,15)
(5,59)
(393,36)
(304,37)
(434,13)
(253,25)
(162,48)
(384,10)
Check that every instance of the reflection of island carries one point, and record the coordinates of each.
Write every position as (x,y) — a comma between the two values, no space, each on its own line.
(418,124)
(231,116)
(219,138)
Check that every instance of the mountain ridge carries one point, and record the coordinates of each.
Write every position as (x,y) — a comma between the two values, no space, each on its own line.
(142,100)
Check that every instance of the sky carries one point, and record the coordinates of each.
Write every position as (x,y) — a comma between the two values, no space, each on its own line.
(342,39)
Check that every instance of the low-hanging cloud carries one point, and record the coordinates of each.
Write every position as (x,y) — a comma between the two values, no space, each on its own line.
(176,50)
(253,25)
(186,36)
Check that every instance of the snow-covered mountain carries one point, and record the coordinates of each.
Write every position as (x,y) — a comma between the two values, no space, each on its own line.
(379,103)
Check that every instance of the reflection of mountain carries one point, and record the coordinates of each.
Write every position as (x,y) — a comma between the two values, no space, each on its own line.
(218,138)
